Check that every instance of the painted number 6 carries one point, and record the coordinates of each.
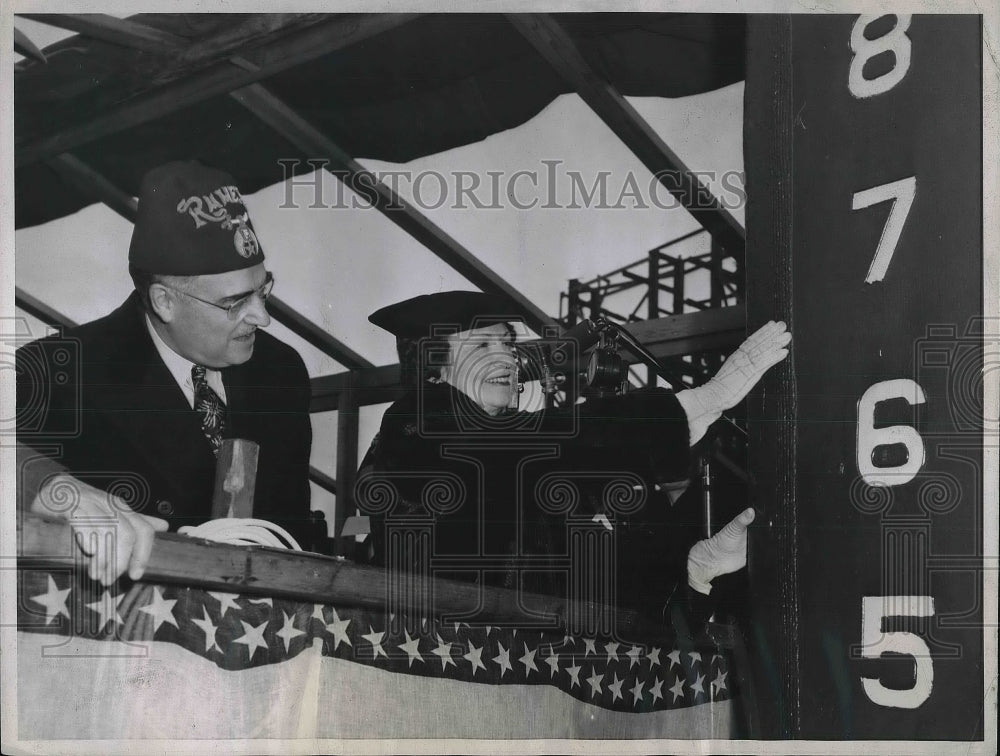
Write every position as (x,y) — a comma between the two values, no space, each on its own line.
(895,41)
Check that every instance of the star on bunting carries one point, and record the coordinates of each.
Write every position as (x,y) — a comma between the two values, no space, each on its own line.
(443,651)
(226,601)
(376,640)
(253,637)
(675,658)
(637,693)
(412,649)
(288,631)
(207,627)
(318,613)
(503,659)
(54,601)
(694,656)
(697,686)
(633,655)
(719,683)
(475,658)
(653,656)
(616,689)
(574,675)
(161,610)
(528,660)
(553,661)
(107,607)
(595,683)
(612,649)
(591,647)
(338,628)
(657,690)
(678,689)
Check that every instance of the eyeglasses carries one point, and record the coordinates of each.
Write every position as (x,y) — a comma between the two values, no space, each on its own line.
(234,310)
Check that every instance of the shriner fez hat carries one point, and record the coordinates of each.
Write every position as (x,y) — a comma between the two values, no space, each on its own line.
(192,221)
(462,310)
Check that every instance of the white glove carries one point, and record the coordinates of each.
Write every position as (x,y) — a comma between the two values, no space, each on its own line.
(745,367)
(721,554)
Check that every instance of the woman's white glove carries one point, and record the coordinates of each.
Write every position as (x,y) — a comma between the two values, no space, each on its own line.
(721,554)
(738,375)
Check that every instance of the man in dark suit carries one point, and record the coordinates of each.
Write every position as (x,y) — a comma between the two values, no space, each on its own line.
(148,392)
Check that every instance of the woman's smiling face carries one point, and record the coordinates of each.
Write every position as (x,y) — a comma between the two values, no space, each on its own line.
(482,366)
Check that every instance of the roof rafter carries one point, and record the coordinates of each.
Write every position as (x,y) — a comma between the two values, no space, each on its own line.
(556,46)
(289,51)
(283,119)
(107,28)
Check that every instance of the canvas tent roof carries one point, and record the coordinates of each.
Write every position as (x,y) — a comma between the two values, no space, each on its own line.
(386,87)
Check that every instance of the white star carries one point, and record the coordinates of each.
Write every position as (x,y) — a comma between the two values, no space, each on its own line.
(574,674)
(678,689)
(318,613)
(653,656)
(719,683)
(675,658)
(226,601)
(443,652)
(207,627)
(412,649)
(715,658)
(475,658)
(376,640)
(568,640)
(637,693)
(616,689)
(633,656)
(338,628)
(54,601)
(612,649)
(694,656)
(459,624)
(657,690)
(253,637)
(288,631)
(528,660)
(503,659)
(595,683)
(591,647)
(697,686)
(107,607)
(161,610)
(489,629)
(553,661)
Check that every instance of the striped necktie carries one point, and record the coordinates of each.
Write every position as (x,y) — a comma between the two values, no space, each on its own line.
(211,408)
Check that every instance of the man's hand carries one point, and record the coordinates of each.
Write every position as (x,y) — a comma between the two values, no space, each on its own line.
(111,536)
(738,375)
(721,554)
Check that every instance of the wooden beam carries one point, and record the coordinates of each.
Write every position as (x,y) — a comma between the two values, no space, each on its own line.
(558,48)
(92,184)
(289,51)
(117,31)
(322,480)
(37,308)
(24,46)
(303,576)
(347,465)
(320,338)
(276,114)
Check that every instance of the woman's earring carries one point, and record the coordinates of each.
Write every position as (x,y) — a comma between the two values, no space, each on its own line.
(520,387)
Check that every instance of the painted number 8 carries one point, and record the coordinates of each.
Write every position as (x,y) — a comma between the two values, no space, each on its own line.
(864,49)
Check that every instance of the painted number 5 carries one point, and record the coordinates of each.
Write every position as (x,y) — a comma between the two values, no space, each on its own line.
(876,642)
(894,41)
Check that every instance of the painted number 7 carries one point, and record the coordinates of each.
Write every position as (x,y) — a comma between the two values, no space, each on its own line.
(901,193)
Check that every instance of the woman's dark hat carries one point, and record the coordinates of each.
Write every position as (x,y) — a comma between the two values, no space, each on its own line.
(446,311)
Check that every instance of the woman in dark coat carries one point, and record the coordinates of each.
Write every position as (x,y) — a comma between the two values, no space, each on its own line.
(460,483)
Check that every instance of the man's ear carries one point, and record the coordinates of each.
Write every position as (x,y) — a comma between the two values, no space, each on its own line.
(162,302)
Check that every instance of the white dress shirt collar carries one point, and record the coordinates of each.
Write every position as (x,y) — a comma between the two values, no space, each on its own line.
(180,368)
